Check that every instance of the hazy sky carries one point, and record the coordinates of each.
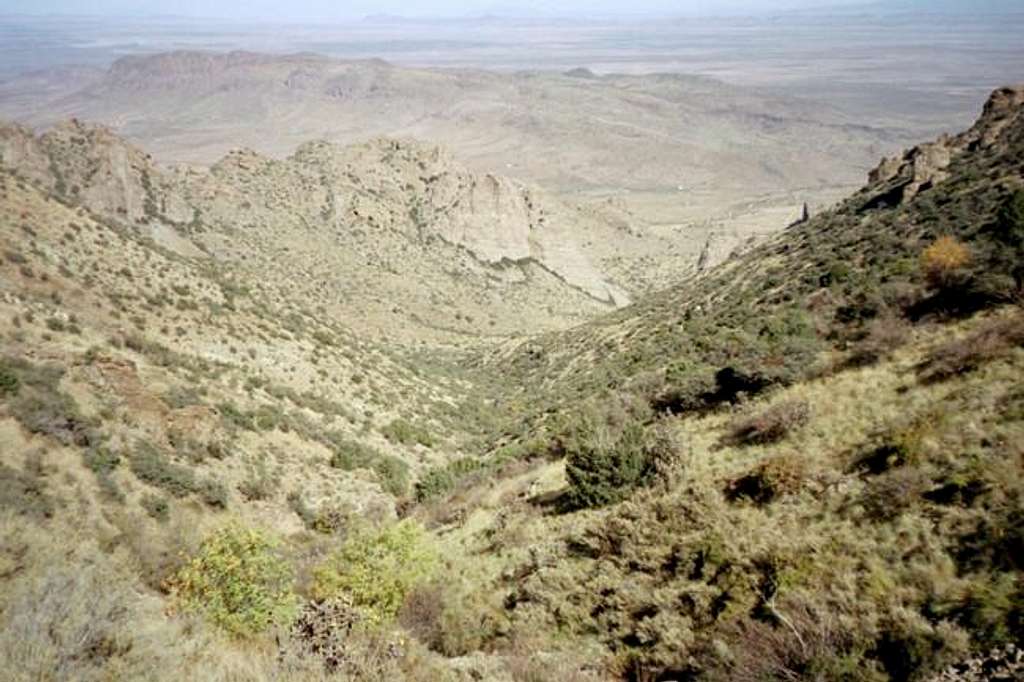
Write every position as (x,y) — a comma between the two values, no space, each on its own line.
(324,9)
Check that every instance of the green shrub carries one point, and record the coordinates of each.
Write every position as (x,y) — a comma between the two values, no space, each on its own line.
(441,480)
(179,397)
(393,474)
(156,506)
(214,493)
(260,484)
(298,505)
(239,581)
(405,433)
(152,466)
(377,569)
(101,460)
(1010,220)
(605,462)
(348,455)
(8,381)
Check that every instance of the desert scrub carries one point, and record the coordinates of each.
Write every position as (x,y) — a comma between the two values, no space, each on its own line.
(152,466)
(405,433)
(23,493)
(348,455)
(392,474)
(441,480)
(607,459)
(239,580)
(35,399)
(376,569)
(8,380)
(769,426)
(994,340)
(156,506)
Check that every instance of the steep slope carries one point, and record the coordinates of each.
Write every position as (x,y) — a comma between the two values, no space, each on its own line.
(848,266)
(805,465)
(207,382)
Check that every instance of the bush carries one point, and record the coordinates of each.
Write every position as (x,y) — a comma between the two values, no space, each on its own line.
(959,356)
(260,484)
(376,570)
(402,432)
(152,466)
(214,493)
(943,262)
(781,475)
(348,454)
(239,581)
(769,426)
(24,494)
(392,472)
(1010,220)
(156,506)
(883,336)
(442,480)
(298,505)
(38,403)
(606,461)
(330,635)
(8,380)
(393,475)
(1010,231)
(103,462)
(422,614)
(72,613)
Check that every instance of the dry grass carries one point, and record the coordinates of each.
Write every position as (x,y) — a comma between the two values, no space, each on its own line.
(995,339)
(769,426)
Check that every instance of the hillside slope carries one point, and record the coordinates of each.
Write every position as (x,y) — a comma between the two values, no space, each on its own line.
(805,464)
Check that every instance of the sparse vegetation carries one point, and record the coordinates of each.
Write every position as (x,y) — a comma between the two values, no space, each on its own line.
(405,433)
(152,466)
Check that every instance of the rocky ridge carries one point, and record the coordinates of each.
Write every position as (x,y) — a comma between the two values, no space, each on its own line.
(393,200)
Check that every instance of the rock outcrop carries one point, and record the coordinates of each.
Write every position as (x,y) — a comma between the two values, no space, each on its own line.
(92,166)
(899,179)
(1000,665)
